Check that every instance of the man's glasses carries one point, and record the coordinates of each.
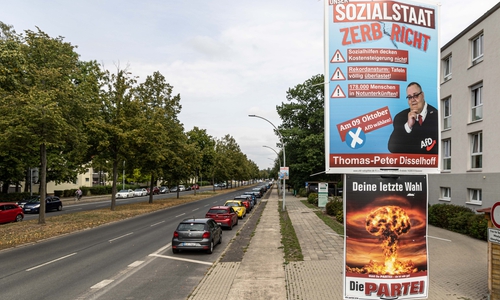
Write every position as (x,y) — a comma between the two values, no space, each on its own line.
(410,97)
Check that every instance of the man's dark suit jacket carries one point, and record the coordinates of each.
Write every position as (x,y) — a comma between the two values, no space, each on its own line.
(423,139)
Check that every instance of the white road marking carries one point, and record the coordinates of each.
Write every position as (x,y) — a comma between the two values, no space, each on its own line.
(112,240)
(180,215)
(157,223)
(135,263)
(433,237)
(49,262)
(101,284)
(182,259)
(195,209)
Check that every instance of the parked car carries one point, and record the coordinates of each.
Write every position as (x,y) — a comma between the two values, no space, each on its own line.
(10,212)
(252,194)
(164,190)
(196,234)
(140,192)
(125,194)
(156,190)
(225,216)
(195,187)
(238,206)
(180,187)
(51,203)
(247,200)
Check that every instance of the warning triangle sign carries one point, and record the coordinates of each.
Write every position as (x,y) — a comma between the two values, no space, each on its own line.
(337,75)
(337,57)
(338,92)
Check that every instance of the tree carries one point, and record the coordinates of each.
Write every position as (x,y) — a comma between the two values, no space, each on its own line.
(302,129)
(41,100)
(156,127)
(204,146)
(113,124)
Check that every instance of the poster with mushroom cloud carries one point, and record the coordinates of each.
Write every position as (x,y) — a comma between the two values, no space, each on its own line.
(385,251)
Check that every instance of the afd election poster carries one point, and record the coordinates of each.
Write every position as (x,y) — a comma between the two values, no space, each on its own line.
(385,245)
(382,99)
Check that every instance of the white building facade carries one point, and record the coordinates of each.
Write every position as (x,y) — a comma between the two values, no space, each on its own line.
(470,117)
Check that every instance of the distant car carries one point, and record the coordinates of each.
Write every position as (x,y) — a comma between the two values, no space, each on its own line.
(51,203)
(196,234)
(238,206)
(164,190)
(156,190)
(225,216)
(125,194)
(247,200)
(140,192)
(180,187)
(10,212)
(195,187)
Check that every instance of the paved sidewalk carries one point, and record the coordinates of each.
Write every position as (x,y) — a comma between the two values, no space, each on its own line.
(457,263)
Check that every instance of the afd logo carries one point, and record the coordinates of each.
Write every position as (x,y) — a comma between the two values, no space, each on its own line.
(428,144)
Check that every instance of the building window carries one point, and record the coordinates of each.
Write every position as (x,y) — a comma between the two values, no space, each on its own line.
(87,179)
(447,113)
(447,154)
(477,49)
(476,150)
(445,194)
(475,196)
(477,102)
(447,68)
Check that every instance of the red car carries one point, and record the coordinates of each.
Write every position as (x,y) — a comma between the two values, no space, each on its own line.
(10,212)
(156,190)
(225,216)
(195,187)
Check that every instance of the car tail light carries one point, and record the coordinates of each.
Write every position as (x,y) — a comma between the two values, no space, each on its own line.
(176,234)
(206,235)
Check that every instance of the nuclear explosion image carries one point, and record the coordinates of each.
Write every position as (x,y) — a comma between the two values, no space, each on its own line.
(382,240)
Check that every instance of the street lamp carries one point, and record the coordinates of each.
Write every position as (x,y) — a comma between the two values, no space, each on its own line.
(282,147)
(274,152)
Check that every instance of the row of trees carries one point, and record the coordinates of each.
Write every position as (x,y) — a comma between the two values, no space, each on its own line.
(303,131)
(63,115)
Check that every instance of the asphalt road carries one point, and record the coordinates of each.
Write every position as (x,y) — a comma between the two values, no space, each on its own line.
(131,259)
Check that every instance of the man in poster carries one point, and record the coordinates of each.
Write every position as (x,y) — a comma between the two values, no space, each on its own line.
(415,128)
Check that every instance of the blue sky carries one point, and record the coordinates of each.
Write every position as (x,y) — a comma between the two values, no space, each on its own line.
(227,59)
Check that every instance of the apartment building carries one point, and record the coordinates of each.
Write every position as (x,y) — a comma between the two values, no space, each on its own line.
(470,117)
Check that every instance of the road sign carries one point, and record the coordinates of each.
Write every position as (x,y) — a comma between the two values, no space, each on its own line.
(495,214)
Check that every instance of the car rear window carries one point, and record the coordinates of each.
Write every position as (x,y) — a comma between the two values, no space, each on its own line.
(191,227)
(217,211)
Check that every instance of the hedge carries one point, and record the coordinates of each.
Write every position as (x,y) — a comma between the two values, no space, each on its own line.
(459,219)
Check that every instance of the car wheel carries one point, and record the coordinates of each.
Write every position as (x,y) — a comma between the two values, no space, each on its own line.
(231,225)
(175,251)
(220,238)
(19,218)
(211,249)
(59,208)
(236,222)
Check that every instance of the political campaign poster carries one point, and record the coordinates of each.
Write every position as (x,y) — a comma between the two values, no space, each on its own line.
(382,96)
(385,245)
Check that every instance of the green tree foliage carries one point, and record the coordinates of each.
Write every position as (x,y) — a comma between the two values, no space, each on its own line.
(112,128)
(302,129)
(157,126)
(204,150)
(42,93)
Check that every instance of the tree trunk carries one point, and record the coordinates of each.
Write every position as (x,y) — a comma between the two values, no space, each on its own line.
(151,192)
(113,186)
(43,183)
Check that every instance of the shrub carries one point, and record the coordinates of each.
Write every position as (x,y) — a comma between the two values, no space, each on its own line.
(313,198)
(340,216)
(302,192)
(460,219)
(334,206)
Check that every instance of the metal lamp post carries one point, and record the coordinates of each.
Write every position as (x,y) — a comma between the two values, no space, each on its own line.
(274,152)
(282,147)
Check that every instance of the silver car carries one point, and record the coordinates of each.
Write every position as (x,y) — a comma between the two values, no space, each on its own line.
(125,194)
(196,234)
